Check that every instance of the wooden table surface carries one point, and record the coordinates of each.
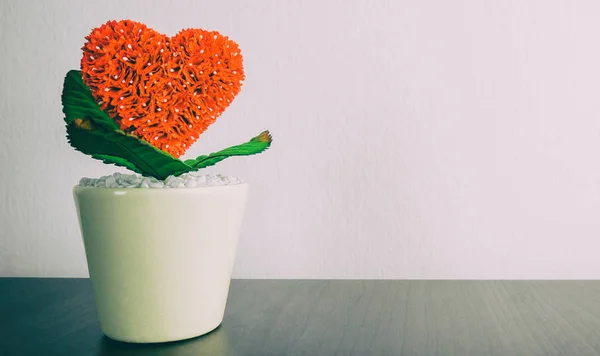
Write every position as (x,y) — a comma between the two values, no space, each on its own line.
(318,317)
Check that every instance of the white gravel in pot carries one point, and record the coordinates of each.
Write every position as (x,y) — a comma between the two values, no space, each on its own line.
(186,180)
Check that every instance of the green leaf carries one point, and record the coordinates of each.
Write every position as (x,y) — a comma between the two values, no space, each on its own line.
(78,102)
(117,161)
(124,150)
(256,145)
(92,131)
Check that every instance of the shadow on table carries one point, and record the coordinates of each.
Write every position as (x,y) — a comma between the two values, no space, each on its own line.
(213,343)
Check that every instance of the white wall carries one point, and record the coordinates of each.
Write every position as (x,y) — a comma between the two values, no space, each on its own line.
(413,139)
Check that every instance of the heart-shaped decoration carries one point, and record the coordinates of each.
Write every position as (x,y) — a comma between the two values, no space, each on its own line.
(165,90)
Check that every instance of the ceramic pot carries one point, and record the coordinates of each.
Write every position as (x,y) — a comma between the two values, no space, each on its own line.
(160,260)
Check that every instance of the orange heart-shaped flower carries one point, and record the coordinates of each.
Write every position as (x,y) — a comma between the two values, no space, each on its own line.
(165,90)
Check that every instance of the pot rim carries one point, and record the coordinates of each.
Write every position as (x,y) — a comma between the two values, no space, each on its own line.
(77,189)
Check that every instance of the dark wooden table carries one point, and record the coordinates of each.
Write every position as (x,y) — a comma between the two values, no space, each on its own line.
(46,317)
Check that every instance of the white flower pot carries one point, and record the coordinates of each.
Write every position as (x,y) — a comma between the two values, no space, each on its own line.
(160,260)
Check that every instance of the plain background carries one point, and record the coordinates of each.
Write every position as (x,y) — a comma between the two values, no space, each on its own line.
(413,139)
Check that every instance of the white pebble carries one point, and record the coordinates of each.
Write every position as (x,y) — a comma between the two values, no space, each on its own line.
(110,180)
(190,183)
(201,180)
